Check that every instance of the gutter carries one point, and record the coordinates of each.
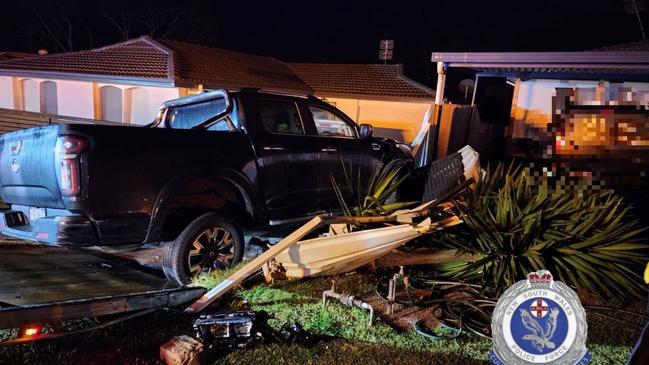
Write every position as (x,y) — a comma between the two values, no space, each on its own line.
(562,58)
(426,100)
(89,78)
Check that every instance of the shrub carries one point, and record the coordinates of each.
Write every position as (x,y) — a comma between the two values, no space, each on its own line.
(514,227)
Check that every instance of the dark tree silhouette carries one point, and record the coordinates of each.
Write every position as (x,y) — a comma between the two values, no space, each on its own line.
(66,27)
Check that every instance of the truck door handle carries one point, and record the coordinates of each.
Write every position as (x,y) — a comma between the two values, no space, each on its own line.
(329,149)
(273,148)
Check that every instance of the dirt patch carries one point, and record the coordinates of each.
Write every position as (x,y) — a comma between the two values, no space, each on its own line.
(403,317)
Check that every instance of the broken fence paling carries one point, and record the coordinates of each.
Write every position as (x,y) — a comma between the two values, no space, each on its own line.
(409,233)
(293,238)
(346,252)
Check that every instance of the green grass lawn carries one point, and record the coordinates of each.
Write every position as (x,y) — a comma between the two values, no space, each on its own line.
(608,341)
(349,338)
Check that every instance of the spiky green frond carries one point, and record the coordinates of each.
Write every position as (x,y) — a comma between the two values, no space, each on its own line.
(589,242)
(369,197)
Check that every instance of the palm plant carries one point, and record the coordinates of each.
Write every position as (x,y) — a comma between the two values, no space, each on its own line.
(369,198)
(588,242)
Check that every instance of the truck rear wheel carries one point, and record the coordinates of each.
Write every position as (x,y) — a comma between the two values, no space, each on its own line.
(210,242)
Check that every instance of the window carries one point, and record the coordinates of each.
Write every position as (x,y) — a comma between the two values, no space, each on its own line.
(111,103)
(280,117)
(49,100)
(189,116)
(330,124)
(229,123)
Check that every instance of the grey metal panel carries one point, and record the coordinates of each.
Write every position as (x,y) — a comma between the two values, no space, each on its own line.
(603,75)
(541,57)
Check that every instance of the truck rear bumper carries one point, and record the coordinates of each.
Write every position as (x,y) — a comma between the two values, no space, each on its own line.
(53,230)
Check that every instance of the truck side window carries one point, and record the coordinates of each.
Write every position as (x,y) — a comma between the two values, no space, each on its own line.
(189,116)
(280,117)
(330,124)
(229,123)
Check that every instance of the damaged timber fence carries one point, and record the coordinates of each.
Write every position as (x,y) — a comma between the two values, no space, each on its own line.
(381,241)
(447,177)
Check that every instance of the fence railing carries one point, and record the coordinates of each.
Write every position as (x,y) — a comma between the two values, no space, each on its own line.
(11,120)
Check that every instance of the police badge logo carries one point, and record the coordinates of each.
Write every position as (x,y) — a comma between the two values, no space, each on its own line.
(539,321)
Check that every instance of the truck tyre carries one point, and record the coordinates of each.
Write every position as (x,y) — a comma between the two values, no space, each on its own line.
(211,242)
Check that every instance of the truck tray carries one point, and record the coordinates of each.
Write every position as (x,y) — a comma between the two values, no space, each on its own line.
(44,284)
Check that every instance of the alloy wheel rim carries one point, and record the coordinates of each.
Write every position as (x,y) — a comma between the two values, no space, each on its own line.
(212,249)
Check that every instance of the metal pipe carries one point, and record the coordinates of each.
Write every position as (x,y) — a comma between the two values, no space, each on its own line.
(441,81)
(348,300)
(392,289)
(475,88)
(439,100)
(391,296)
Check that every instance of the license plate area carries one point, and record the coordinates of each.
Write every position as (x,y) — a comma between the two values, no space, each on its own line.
(36,213)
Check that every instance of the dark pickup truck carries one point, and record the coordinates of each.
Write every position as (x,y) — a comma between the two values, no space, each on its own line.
(209,167)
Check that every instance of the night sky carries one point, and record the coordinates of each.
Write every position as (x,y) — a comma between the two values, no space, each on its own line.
(332,31)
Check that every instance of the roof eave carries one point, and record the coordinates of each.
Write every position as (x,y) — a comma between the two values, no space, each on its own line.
(528,75)
(89,77)
(573,58)
(375,97)
(225,85)
(171,72)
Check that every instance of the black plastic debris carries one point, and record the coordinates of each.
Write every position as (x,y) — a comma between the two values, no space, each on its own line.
(223,332)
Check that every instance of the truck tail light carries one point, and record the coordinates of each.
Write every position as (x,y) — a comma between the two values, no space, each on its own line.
(69,177)
(72,144)
(68,149)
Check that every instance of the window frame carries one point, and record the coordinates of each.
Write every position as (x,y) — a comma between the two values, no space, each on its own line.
(291,101)
(342,116)
(207,123)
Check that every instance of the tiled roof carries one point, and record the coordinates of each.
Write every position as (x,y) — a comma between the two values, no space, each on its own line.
(216,67)
(8,55)
(147,60)
(139,58)
(361,80)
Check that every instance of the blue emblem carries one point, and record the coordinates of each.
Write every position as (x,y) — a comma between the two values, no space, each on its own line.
(539,325)
(539,321)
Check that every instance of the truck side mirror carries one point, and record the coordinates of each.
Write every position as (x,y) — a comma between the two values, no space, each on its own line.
(366,130)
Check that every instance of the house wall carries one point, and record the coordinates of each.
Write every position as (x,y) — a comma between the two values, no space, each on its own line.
(75,98)
(6,92)
(139,104)
(31,95)
(145,102)
(399,120)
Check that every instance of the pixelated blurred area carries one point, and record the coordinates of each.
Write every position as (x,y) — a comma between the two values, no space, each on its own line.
(597,138)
